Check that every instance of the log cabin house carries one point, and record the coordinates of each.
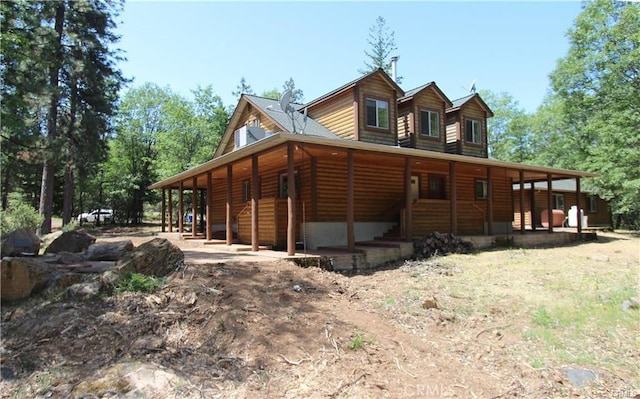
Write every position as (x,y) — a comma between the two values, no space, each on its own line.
(365,160)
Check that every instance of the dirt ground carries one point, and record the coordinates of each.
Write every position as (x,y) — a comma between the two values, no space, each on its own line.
(507,323)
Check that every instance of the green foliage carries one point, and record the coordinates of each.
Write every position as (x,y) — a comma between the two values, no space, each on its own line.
(136,282)
(541,317)
(356,343)
(242,88)
(19,214)
(383,44)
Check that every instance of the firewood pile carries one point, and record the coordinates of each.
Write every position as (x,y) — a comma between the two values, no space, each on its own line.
(441,244)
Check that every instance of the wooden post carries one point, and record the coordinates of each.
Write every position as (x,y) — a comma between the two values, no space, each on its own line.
(314,189)
(181,208)
(550,202)
(351,240)
(163,210)
(522,214)
(578,206)
(229,216)
(291,201)
(194,206)
(209,222)
(255,239)
(489,201)
(170,210)
(453,209)
(533,205)
(408,201)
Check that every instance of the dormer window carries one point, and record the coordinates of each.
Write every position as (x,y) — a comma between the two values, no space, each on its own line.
(430,123)
(377,113)
(473,131)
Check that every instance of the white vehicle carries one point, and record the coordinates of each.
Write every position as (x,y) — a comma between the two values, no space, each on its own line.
(102,215)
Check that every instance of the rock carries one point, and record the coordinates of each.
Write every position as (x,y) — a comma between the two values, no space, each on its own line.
(71,241)
(578,377)
(20,241)
(631,304)
(22,277)
(157,258)
(430,303)
(84,290)
(111,251)
(69,258)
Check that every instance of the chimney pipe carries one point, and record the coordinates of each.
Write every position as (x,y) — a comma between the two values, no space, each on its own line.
(394,68)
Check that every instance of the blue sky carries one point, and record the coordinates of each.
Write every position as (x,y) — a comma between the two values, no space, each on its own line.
(507,46)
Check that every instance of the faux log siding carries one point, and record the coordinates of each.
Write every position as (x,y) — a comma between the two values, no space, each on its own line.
(430,216)
(331,182)
(473,111)
(336,115)
(379,193)
(452,133)
(527,208)
(266,223)
(404,128)
(428,100)
(377,88)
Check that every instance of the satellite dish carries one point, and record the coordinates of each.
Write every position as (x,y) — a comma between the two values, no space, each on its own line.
(472,86)
(284,100)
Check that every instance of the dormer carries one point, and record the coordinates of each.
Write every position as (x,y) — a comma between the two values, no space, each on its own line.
(362,110)
(467,126)
(421,118)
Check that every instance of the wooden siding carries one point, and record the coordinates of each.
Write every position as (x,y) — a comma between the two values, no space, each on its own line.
(248,117)
(377,88)
(428,100)
(336,115)
(452,133)
(456,131)
(599,218)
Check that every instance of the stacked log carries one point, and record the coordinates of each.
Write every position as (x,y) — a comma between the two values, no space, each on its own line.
(439,244)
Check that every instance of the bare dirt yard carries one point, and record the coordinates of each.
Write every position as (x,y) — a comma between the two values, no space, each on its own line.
(505,323)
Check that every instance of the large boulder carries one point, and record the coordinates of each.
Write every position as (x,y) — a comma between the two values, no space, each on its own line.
(71,241)
(111,251)
(157,258)
(20,241)
(22,277)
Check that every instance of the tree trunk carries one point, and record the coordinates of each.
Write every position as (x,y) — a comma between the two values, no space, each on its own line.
(67,201)
(48,168)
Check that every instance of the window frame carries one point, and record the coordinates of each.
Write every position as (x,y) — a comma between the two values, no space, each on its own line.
(592,204)
(480,133)
(556,198)
(485,189)
(282,193)
(377,114)
(441,193)
(429,112)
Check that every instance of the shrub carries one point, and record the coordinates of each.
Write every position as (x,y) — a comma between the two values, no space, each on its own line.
(19,214)
(136,282)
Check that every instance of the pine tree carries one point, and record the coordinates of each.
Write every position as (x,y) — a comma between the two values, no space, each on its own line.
(382,44)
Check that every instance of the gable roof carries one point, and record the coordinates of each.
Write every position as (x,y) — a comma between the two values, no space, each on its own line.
(354,82)
(271,109)
(432,85)
(460,102)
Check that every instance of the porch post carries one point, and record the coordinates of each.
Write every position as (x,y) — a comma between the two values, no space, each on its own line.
(163,210)
(255,239)
(291,201)
(351,240)
(194,205)
(209,221)
(453,209)
(229,220)
(578,206)
(314,188)
(550,202)
(170,210)
(181,207)
(522,214)
(489,201)
(408,200)
(533,206)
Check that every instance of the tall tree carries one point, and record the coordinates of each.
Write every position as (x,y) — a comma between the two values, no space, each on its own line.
(242,88)
(383,44)
(598,87)
(297,95)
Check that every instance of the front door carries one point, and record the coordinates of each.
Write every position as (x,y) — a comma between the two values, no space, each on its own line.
(415,187)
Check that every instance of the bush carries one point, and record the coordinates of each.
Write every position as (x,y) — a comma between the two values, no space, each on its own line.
(136,282)
(19,214)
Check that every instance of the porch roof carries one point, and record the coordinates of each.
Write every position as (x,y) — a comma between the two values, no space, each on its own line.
(532,173)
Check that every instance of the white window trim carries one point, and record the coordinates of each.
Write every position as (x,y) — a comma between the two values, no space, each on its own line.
(485,189)
(476,136)
(378,107)
(429,132)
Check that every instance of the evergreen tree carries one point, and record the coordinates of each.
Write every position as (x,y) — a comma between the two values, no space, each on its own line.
(242,88)
(382,44)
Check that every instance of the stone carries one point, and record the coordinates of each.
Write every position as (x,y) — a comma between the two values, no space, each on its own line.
(84,290)
(22,277)
(157,258)
(632,303)
(109,251)
(71,241)
(21,241)
(69,258)
(430,303)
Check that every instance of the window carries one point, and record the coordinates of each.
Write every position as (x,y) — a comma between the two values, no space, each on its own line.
(558,201)
(430,123)
(437,187)
(284,185)
(481,189)
(592,204)
(377,113)
(246,190)
(473,132)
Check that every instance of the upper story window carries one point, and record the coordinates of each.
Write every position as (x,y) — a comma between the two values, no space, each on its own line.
(377,113)
(430,123)
(473,131)
(592,204)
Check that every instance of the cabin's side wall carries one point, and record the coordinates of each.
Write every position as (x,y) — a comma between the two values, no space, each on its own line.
(428,100)
(336,114)
(378,89)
